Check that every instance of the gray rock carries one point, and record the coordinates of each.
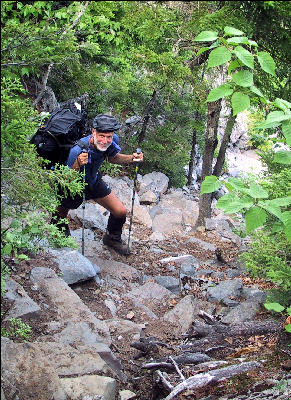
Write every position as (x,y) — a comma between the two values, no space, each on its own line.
(74,266)
(22,304)
(65,302)
(169,282)
(226,291)
(89,385)
(245,311)
(25,371)
(204,245)
(93,216)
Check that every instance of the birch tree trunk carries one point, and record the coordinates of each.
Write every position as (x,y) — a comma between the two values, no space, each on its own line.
(205,200)
(192,158)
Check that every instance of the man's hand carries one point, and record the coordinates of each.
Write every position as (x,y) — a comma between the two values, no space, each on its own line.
(82,159)
(137,157)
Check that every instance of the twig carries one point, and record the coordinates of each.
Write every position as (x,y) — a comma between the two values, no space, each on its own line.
(165,382)
(177,369)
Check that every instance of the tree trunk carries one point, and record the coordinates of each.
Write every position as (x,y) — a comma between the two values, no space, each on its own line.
(141,135)
(224,143)
(192,158)
(205,200)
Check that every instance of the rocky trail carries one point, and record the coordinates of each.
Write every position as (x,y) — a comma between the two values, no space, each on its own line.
(179,318)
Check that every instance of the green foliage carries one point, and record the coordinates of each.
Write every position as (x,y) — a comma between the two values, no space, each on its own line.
(278,308)
(166,152)
(110,169)
(16,329)
(268,257)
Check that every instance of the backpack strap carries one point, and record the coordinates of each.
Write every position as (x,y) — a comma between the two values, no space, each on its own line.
(81,144)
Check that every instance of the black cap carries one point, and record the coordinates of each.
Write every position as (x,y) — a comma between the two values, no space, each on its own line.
(106,123)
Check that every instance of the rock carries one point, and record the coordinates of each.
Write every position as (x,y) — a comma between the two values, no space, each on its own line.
(169,282)
(126,395)
(74,266)
(157,182)
(25,371)
(148,197)
(127,329)
(151,295)
(89,385)
(226,291)
(68,306)
(204,245)
(184,319)
(22,304)
(245,311)
(168,222)
(95,216)
(117,270)
(141,216)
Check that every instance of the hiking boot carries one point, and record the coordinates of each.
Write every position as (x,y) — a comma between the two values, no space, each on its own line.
(116,243)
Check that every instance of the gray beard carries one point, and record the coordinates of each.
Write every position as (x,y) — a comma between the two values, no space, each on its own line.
(98,146)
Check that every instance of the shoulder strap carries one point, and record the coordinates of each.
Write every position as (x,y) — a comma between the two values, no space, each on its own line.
(81,144)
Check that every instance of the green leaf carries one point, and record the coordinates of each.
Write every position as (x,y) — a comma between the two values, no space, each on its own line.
(283,104)
(283,157)
(221,91)
(286,129)
(206,36)
(288,328)
(210,184)
(233,65)
(277,116)
(266,62)
(243,78)
(255,217)
(229,31)
(281,201)
(238,40)
(218,56)
(202,50)
(288,310)
(230,203)
(272,209)
(257,91)
(244,56)
(274,307)
(257,192)
(7,249)
(286,217)
(239,102)
(23,257)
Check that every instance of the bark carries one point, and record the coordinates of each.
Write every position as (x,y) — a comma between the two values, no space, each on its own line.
(224,143)
(205,200)
(142,133)
(209,378)
(192,158)
(45,100)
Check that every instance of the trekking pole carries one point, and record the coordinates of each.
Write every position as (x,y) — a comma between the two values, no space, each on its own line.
(83,210)
(138,151)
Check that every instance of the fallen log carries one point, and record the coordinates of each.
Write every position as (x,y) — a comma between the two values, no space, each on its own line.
(215,376)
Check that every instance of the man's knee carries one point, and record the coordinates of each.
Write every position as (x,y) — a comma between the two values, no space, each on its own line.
(120,212)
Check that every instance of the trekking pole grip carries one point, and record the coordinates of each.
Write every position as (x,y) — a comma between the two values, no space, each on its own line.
(138,151)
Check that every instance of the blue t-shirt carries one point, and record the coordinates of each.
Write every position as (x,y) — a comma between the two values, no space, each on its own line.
(95,157)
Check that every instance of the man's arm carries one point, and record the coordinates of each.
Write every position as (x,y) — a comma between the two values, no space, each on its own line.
(126,158)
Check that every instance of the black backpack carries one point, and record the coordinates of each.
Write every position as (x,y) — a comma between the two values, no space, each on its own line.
(59,134)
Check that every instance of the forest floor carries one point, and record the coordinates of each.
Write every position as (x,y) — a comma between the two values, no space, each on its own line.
(272,348)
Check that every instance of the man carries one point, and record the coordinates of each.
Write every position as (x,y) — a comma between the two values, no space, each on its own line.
(101,144)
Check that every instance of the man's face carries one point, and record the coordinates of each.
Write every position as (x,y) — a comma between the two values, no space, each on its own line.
(102,140)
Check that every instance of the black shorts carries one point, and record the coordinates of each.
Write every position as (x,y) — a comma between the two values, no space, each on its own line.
(99,190)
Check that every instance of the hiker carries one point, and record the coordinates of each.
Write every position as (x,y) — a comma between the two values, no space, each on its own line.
(101,143)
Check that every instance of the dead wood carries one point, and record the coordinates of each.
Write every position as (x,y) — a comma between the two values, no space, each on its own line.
(201,380)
